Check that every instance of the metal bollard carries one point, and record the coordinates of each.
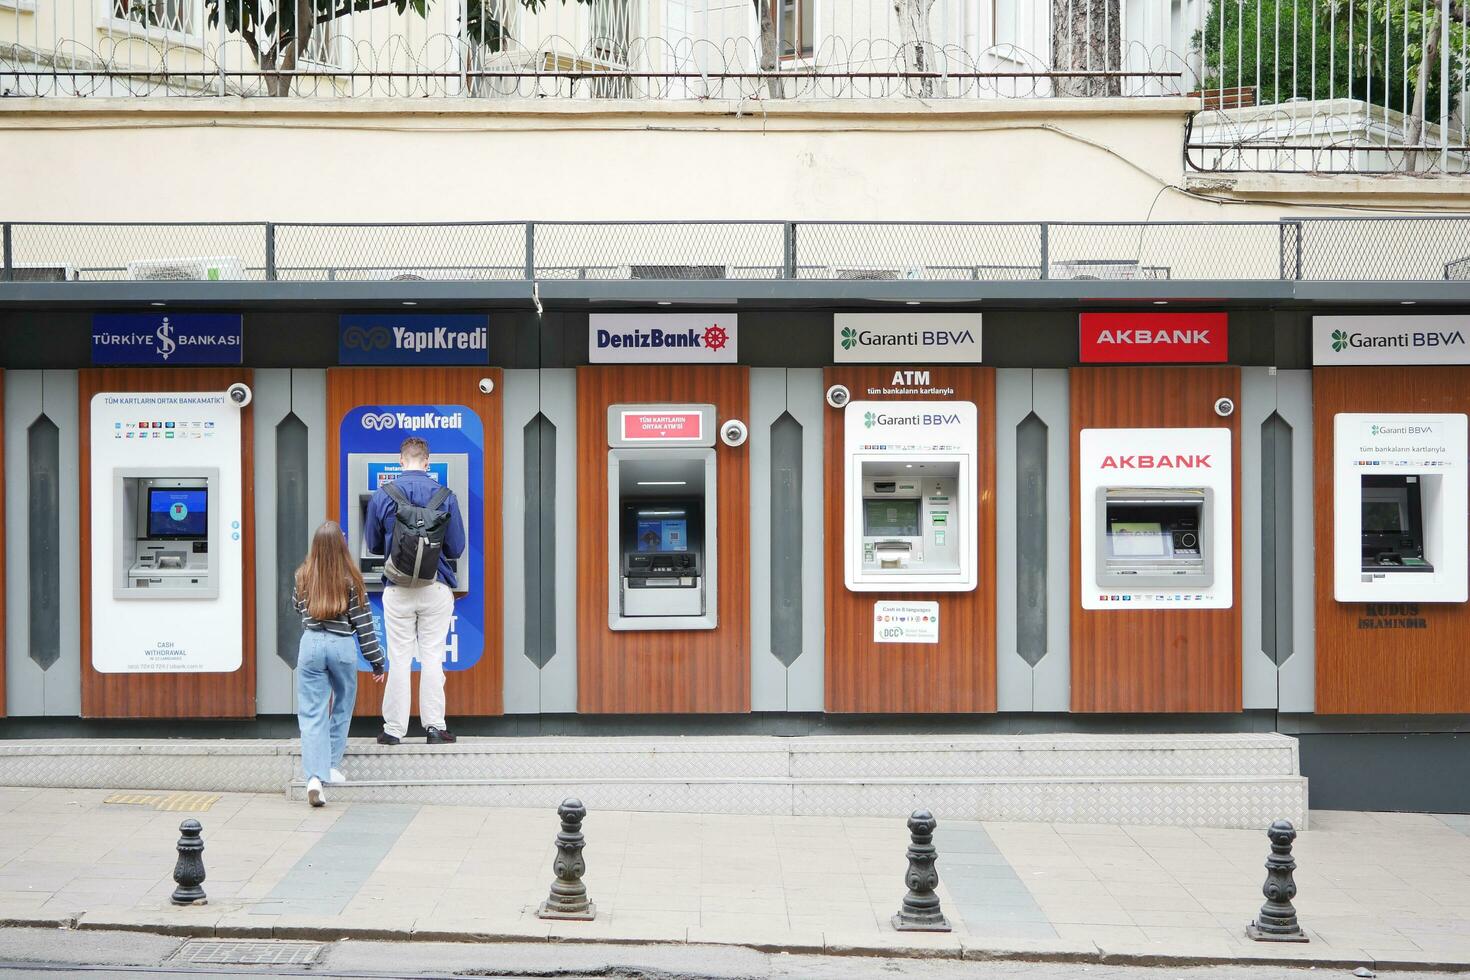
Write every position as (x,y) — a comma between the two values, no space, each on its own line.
(920,911)
(568,898)
(1276,922)
(189,870)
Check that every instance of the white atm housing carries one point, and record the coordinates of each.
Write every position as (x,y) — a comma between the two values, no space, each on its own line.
(910,508)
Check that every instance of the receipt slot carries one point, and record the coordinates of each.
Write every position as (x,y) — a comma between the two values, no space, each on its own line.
(910,508)
(166,533)
(367,472)
(1155,537)
(662,538)
(1399,508)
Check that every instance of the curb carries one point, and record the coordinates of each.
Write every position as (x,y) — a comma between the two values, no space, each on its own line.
(1078,953)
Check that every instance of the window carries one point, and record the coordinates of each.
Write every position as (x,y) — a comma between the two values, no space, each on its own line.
(165,15)
(611,26)
(794,27)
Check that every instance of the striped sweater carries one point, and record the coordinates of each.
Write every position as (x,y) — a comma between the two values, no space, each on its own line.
(358,619)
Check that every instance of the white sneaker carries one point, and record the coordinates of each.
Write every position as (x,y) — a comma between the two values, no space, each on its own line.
(335,776)
(314,794)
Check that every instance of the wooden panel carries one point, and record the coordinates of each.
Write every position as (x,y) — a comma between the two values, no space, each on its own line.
(662,671)
(957,674)
(1155,660)
(478,690)
(229,695)
(3,592)
(1362,669)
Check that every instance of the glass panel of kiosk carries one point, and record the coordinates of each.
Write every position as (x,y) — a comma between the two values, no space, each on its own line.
(165,530)
(1154,537)
(1393,524)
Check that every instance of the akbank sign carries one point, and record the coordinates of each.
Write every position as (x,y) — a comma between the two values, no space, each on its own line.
(413,338)
(1390,340)
(158,339)
(663,338)
(887,338)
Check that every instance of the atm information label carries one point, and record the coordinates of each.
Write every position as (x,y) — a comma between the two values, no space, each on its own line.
(662,426)
(905,622)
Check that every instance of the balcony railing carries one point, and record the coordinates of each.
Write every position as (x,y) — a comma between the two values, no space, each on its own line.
(1313,249)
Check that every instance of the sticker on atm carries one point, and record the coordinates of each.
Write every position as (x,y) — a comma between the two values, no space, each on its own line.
(905,622)
(662,426)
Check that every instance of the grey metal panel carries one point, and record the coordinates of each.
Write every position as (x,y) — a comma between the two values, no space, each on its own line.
(1051,678)
(1297,678)
(64,679)
(273,679)
(767,673)
(1013,683)
(25,682)
(520,395)
(1258,670)
(559,676)
(309,404)
(806,677)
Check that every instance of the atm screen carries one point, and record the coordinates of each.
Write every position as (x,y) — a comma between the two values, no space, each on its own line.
(890,518)
(662,534)
(1137,539)
(178,512)
(1383,517)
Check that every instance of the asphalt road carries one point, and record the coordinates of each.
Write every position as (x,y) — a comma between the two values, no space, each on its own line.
(85,955)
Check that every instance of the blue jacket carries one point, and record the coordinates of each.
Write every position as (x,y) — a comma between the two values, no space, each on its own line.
(418,487)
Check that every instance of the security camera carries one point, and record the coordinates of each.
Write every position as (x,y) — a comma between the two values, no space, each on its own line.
(838,395)
(240,394)
(1224,407)
(486,386)
(733,433)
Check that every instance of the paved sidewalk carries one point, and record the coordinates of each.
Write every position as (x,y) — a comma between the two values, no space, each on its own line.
(1375,889)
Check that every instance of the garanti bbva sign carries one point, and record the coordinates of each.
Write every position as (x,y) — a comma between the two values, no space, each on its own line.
(1390,340)
(889,338)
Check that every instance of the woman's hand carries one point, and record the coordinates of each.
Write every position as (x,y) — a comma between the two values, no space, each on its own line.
(379,675)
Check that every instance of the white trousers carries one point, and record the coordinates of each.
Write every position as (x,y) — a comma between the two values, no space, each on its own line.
(417,622)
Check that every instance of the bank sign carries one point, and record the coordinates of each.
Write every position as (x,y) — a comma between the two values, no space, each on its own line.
(413,338)
(663,338)
(1154,338)
(1390,340)
(923,338)
(159,339)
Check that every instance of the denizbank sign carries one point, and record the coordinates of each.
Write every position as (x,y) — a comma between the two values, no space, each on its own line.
(922,338)
(1390,340)
(663,338)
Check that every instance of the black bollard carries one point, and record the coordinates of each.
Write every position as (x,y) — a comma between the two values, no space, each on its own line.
(189,871)
(568,898)
(1276,922)
(920,911)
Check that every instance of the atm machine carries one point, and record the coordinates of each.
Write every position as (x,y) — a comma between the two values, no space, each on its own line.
(367,472)
(1155,537)
(165,531)
(662,539)
(1393,524)
(910,509)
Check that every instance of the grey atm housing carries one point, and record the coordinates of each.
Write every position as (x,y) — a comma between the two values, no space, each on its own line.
(359,493)
(162,568)
(1179,571)
(661,476)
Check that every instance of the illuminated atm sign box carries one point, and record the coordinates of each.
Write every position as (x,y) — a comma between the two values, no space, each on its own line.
(1154,338)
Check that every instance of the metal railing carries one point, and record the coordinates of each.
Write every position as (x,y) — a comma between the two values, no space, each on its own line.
(1314,249)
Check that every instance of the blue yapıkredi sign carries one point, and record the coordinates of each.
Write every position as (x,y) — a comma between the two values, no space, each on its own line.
(413,338)
(449,429)
(150,339)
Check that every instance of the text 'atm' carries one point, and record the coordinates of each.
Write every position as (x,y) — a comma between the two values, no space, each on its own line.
(910,508)
(661,517)
(1154,537)
(165,530)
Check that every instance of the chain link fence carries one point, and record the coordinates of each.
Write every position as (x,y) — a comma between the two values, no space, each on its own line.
(1318,249)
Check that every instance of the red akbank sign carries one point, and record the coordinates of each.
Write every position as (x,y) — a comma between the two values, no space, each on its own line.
(1154,338)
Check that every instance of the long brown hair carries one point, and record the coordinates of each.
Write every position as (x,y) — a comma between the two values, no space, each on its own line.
(324,578)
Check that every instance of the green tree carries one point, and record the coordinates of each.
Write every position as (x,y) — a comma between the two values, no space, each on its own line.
(278,32)
(1335,49)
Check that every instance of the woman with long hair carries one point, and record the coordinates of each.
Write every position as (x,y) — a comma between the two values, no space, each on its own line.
(329,595)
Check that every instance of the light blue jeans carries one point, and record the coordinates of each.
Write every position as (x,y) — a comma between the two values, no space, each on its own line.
(326,690)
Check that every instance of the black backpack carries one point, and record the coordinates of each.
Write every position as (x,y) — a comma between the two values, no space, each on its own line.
(418,539)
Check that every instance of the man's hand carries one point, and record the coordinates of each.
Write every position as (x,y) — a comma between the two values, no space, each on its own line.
(379,676)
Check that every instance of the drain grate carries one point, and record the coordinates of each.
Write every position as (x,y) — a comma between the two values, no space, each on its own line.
(212,951)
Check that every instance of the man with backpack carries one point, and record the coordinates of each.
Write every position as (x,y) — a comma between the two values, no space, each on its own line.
(416,525)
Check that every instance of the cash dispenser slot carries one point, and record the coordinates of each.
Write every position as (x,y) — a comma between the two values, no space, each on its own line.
(1393,524)
(1149,537)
